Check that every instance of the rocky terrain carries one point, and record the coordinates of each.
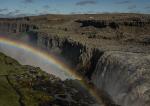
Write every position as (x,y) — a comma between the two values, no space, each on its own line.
(111,51)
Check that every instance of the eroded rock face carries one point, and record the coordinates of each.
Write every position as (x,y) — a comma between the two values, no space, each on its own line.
(15,26)
(114,24)
(125,77)
(82,58)
(124,74)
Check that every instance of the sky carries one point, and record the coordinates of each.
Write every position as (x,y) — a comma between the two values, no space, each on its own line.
(10,8)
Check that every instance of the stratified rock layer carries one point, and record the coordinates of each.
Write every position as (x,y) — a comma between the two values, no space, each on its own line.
(111,51)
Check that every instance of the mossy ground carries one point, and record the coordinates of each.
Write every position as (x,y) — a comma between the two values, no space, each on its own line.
(30,86)
(12,70)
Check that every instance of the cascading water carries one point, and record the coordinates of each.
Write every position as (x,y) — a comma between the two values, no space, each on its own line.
(124,76)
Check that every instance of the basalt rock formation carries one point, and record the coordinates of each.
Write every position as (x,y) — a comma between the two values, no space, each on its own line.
(138,22)
(111,51)
(16,25)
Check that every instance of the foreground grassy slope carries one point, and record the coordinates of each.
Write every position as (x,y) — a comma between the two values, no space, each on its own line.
(8,96)
(15,92)
(29,86)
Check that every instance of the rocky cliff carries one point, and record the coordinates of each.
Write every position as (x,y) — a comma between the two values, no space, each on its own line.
(138,22)
(16,25)
(123,75)
(114,55)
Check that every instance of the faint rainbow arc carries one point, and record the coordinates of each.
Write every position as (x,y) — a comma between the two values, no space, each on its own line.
(53,60)
(40,53)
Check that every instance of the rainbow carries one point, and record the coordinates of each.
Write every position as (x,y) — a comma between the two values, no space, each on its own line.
(53,60)
(42,54)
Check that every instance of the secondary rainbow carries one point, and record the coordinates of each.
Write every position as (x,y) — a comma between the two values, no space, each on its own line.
(53,60)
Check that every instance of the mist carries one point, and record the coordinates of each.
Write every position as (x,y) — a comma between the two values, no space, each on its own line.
(26,57)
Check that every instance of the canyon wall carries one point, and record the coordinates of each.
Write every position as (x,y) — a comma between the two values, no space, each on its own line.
(124,76)
(15,26)
(81,57)
(114,23)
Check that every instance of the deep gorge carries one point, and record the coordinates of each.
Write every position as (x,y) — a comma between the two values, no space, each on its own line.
(117,73)
(124,76)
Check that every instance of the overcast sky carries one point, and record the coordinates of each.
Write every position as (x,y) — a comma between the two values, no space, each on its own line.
(10,8)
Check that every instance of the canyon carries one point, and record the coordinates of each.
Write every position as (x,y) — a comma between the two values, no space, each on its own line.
(110,51)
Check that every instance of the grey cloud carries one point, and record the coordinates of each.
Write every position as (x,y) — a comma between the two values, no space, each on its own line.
(130,7)
(46,6)
(86,2)
(79,12)
(28,1)
(16,11)
(147,7)
(10,14)
(3,10)
(36,11)
(2,16)
(24,15)
(123,2)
